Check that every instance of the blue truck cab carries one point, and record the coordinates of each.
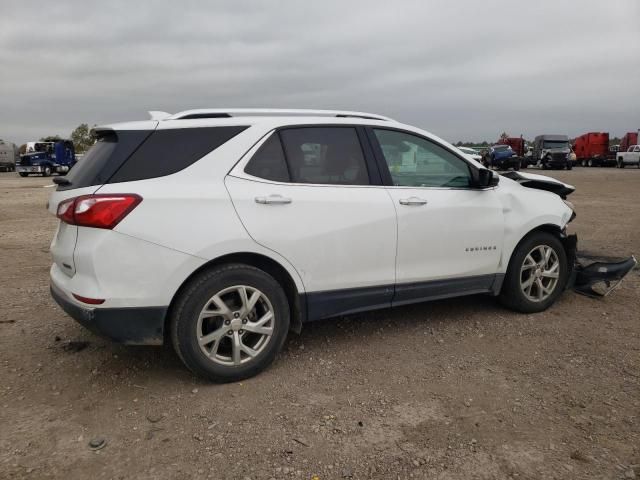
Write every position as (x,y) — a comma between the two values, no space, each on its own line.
(502,157)
(45,158)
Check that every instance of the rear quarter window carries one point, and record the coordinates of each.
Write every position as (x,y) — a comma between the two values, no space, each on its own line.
(104,158)
(168,151)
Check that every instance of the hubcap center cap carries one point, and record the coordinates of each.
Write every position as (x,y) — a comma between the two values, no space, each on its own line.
(236,324)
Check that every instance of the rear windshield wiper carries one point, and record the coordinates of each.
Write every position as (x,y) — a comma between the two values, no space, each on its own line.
(62,181)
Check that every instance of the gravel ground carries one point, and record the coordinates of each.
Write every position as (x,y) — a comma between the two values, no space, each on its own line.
(452,389)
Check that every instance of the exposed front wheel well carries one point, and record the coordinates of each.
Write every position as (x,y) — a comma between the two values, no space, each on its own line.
(264,263)
(569,242)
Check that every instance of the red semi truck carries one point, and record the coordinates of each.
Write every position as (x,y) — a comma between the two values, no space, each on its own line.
(516,144)
(630,138)
(592,150)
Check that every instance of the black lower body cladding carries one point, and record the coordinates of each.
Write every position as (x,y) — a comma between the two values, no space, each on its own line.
(129,326)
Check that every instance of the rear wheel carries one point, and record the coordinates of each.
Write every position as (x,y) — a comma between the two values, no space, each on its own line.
(46,172)
(537,274)
(230,322)
(590,163)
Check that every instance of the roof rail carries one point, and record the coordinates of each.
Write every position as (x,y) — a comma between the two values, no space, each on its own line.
(268,112)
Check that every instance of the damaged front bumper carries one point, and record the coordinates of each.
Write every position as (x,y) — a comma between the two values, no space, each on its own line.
(595,278)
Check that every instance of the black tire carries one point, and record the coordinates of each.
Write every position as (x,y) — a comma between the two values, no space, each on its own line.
(187,307)
(512,295)
(590,163)
(46,172)
(569,166)
(584,163)
(23,174)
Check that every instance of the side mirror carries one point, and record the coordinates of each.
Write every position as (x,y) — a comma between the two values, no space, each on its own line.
(486,178)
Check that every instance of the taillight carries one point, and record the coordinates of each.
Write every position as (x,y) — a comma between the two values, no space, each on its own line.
(65,210)
(97,211)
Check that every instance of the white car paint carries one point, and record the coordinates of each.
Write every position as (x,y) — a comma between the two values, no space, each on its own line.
(630,157)
(330,237)
(471,153)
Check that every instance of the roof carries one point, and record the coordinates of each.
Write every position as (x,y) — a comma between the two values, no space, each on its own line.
(266,112)
(243,116)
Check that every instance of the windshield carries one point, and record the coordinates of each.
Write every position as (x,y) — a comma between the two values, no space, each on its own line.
(501,148)
(551,144)
(468,150)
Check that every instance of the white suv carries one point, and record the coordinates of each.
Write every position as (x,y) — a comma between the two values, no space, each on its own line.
(224,229)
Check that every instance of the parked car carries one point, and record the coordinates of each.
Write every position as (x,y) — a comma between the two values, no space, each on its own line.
(222,230)
(473,153)
(630,157)
(552,151)
(8,156)
(502,157)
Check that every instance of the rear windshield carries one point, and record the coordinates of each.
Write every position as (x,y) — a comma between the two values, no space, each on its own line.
(129,155)
(499,148)
(104,158)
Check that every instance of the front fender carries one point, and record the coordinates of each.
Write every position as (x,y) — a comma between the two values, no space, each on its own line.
(526,210)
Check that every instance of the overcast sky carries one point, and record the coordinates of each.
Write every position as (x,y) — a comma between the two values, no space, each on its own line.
(461,69)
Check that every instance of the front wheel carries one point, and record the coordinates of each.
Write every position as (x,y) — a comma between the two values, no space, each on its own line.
(46,172)
(23,174)
(230,322)
(537,274)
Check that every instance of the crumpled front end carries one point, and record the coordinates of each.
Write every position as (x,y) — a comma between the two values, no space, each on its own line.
(591,275)
(600,278)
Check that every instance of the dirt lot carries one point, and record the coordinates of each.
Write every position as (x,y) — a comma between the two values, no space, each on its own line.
(452,389)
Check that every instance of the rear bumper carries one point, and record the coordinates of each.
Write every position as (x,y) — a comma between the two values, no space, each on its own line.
(130,326)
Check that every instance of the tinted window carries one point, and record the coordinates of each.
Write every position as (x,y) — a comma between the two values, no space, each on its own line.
(329,155)
(105,157)
(169,151)
(416,162)
(269,162)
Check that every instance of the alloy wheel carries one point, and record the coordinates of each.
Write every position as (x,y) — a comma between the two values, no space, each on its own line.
(235,325)
(539,273)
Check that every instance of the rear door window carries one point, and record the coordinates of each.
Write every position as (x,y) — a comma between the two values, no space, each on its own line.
(324,155)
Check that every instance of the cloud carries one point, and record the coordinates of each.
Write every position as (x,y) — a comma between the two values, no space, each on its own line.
(463,70)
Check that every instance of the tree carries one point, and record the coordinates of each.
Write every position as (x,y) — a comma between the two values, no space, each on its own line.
(51,138)
(82,138)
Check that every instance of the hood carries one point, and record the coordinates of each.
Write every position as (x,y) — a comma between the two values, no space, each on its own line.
(541,182)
